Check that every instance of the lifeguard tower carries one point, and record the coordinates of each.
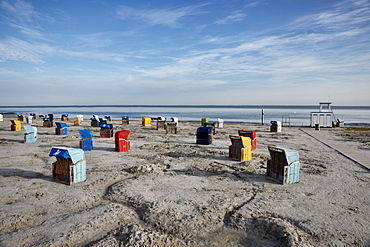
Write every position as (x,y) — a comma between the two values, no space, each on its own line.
(324,117)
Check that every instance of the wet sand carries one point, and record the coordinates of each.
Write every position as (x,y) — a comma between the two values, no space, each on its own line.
(169,191)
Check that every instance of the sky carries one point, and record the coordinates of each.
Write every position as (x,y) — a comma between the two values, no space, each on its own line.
(213,52)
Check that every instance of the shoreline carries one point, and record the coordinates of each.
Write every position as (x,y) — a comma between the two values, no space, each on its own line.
(366,125)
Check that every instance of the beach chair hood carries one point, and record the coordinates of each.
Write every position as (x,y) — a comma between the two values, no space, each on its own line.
(291,156)
(241,141)
(122,135)
(74,154)
(85,134)
(110,126)
(29,129)
(61,125)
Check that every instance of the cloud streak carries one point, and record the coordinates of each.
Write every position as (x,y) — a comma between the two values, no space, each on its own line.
(169,17)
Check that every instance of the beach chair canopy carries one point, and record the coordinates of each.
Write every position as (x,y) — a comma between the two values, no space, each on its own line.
(204,131)
(74,154)
(15,122)
(125,117)
(287,155)
(240,141)
(204,120)
(29,129)
(61,125)
(110,126)
(85,134)
(248,133)
(123,134)
(276,122)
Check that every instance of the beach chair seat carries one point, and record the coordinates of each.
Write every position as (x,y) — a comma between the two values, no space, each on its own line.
(22,118)
(77,121)
(146,121)
(48,122)
(240,148)
(16,125)
(174,120)
(86,142)
(95,122)
(203,121)
(30,135)
(106,130)
(61,128)
(64,117)
(284,165)
(161,123)
(212,125)
(29,119)
(171,128)
(204,135)
(275,126)
(121,142)
(220,123)
(251,134)
(70,167)
(125,120)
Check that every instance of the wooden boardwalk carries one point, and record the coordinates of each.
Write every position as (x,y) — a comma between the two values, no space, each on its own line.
(360,158)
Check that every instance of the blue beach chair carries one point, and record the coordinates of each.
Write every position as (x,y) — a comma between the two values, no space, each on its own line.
(284,165)
(61,129)
(86,143)
(204,135)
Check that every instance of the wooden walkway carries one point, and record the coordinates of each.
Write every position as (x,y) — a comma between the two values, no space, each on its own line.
(358,157)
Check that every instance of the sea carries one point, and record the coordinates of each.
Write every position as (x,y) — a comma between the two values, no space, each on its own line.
(293,115)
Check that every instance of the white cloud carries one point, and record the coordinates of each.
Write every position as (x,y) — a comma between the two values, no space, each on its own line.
(345,14)
(167,17)
(234,17)
(19,50)
(20,10)
(38,69)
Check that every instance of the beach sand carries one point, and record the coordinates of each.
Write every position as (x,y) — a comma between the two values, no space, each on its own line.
(169,191)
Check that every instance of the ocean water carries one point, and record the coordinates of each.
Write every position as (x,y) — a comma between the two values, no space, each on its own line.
(296,115)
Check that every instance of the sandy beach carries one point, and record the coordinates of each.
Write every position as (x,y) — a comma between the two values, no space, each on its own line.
(169,191)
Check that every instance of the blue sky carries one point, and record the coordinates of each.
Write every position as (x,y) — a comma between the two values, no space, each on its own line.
(228,52)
